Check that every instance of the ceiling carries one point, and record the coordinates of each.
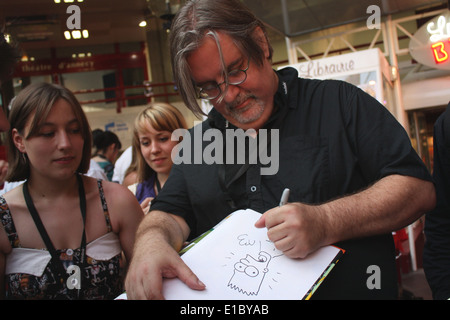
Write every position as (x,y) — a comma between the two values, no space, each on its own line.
(35,23)
(41,23)
(296,17)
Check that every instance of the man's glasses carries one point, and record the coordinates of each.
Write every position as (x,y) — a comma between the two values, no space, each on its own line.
(212,90)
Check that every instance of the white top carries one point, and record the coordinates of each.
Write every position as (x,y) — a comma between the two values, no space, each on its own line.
(121,165)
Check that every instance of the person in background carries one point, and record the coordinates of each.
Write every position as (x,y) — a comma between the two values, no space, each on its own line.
(130,174)
(107,146)
(9,56)
(62,234)
(95,171)
(152,150)
(436,255)
(353,175)
(121,165)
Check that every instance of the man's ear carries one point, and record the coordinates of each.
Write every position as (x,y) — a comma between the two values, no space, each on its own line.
(18,140)
(261,39)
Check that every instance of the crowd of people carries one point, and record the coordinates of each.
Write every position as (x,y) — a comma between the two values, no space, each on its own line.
(353,174)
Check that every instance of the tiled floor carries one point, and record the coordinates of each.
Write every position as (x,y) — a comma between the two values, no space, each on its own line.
(415,286)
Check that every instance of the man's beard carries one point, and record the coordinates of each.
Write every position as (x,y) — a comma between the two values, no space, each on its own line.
(250,113)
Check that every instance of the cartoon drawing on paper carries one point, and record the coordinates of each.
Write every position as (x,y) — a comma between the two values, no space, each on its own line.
(249,272)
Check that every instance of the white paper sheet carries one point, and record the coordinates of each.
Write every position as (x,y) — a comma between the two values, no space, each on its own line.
(237,261)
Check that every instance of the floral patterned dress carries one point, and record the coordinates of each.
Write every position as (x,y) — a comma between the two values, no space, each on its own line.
(31,274)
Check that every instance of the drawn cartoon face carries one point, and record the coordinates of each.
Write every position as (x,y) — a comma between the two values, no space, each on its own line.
(249,273)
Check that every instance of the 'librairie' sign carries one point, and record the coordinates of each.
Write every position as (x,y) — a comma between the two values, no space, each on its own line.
(430,44)
(339,66)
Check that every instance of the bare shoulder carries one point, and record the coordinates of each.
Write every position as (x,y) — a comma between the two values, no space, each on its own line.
(122,205)
(117,192)
(5,246)
(110,189)
(10,198)
(117,197)
(14,195)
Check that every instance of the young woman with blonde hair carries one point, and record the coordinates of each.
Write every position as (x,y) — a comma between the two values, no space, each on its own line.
(152,148)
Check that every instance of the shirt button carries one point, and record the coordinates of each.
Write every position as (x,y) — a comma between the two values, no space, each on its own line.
(69,252)
(253,188)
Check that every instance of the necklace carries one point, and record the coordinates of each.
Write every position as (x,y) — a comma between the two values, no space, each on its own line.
(61,271)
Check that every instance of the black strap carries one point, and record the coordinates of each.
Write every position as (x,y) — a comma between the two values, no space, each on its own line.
(40,226)
(158,184)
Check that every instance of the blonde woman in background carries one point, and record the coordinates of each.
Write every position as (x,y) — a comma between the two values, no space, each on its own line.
(152,149)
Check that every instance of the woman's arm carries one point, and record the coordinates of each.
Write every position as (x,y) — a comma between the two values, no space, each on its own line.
(125,213)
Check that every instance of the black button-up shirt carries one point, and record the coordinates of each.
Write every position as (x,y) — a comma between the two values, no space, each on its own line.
(436,255)
(334,140)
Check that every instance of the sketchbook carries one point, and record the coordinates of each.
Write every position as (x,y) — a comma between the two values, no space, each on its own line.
(236,260)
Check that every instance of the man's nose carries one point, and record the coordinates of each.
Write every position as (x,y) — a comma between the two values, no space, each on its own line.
(230,92)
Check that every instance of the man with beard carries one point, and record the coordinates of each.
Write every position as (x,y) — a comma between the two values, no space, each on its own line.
(353,175)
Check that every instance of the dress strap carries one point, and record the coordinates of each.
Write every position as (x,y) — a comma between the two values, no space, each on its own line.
(61,270)
(8,224)
(104,205)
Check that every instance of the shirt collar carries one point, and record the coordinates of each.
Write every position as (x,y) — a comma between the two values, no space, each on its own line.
(287,87)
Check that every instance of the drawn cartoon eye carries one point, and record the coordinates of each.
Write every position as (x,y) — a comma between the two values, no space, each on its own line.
(263,257)
(251,271)
(239,266)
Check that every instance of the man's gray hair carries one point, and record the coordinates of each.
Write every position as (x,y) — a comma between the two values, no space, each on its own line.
(200,18)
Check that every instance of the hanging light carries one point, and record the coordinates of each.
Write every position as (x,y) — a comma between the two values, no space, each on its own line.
(76,34)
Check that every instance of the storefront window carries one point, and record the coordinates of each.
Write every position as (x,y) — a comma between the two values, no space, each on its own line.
(422,127)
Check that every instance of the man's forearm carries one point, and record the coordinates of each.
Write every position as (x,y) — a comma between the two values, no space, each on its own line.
(160,226)
(390,204)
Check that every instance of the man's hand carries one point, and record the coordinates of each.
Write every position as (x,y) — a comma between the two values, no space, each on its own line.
(391,203)
(146,273)
(156,258)
(296,229)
